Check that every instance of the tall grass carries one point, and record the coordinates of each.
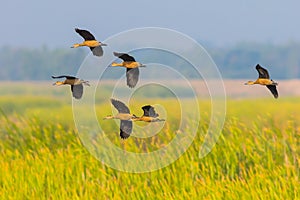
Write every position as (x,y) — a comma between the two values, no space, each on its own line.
(256,157)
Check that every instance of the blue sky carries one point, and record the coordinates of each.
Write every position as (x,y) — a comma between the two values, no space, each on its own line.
(36,23)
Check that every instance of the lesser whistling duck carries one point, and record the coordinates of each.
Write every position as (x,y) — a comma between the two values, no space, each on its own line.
(89,41)
(149,115)
(132,68)
(76,84)
(125,117)
(264,79)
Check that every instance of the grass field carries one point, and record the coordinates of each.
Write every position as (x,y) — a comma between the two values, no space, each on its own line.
(41,156)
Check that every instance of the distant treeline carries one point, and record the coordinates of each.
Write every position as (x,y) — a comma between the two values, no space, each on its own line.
(38,64)
(235,62)
(282,61)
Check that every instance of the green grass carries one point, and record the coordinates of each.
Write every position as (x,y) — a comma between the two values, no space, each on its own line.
(256,157)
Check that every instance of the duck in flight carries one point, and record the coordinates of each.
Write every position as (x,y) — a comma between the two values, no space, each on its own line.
(76,84)
(149,115)
(89,41)
(132,68)
(125,117)
(264,79)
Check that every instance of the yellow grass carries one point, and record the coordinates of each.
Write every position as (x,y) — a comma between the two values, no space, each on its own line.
(256,157)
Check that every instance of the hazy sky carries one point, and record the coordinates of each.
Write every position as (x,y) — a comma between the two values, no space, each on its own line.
(52,23)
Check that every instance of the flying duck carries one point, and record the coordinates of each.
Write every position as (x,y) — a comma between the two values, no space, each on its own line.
(149,115)
(132,68)
(264,79)
(76,84)
(125,117)
(89,41)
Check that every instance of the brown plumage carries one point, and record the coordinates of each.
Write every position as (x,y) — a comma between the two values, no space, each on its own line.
(89,41)
(125,117)
(76,84)
(264,79)
(132,68)
(149,115)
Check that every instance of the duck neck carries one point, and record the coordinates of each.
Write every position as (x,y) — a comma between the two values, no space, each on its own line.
(76,45)
(251,82)
(117,64)
(109,117)
(59,83)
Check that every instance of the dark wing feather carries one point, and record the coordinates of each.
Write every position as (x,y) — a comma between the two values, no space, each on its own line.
(132,76)
(262,72)
(120,106)
(97,51)
(125,129)
(77,91)
(125,57)
(273,89)
(149,111)
(85,34)
(64,76)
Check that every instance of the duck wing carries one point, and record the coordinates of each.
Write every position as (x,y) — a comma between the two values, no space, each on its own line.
(64,76)
(273,89)
(125,57)
(97,51)
(85,34)
(262,72)
(132,76)
(77,91)
(125,129)
(120,106)
(149,111)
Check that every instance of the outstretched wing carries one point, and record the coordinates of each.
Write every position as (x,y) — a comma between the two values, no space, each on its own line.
(77,91)
(125,129)
(262,72)
(149,111)
(120,106)
(273,89)
(64,76)
(132,76)
(125,57)
(85,34)
(97,51)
